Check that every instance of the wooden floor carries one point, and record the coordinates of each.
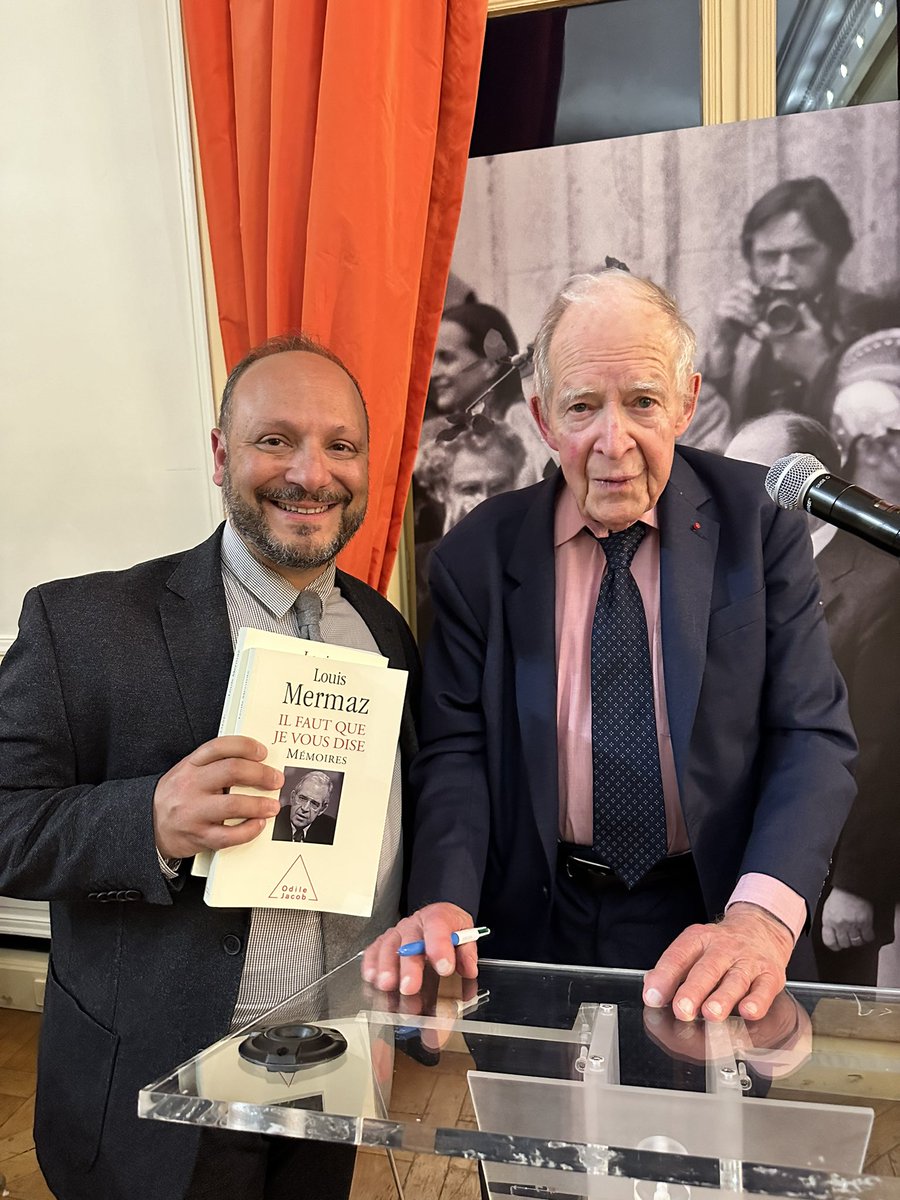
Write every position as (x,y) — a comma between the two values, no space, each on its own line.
(18,1054)
(440,1093)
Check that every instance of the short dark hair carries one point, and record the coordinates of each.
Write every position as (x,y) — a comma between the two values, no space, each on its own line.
(814,200)
(477,321)
(283,343)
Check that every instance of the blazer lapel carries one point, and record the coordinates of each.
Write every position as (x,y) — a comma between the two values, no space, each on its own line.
(688,541)
(195,625)
(531,620)
(385,636)
(391,646)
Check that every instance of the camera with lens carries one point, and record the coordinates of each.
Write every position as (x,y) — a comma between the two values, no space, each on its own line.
(780,310)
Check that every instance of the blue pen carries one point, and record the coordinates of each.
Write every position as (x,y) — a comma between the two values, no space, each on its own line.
(459,938)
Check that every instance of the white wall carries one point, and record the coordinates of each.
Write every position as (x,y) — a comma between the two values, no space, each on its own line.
(106,400)
(105,394)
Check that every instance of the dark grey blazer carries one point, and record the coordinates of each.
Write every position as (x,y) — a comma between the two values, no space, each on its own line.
(320,830)
(114,678)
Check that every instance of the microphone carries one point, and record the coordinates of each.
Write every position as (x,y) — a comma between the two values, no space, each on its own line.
(801,481)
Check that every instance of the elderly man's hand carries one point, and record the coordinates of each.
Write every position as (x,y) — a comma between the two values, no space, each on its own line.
(740,961)
(385,969)
(774,1046)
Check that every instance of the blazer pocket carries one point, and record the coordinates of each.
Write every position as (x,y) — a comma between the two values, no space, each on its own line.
(76,1059)
(746,611)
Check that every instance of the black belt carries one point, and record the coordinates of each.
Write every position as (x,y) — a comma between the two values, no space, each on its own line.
(597,876)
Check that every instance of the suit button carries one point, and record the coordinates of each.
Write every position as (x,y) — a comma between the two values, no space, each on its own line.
(132,894)
(546,892)
(231,943)
(93,895)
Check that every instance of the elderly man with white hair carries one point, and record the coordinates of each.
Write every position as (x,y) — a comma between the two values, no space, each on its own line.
(636,749)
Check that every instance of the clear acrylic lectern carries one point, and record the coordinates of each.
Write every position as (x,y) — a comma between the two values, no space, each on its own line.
(573,1087)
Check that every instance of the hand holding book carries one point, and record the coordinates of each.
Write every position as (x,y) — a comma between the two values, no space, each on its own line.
(328,718)
(192,801)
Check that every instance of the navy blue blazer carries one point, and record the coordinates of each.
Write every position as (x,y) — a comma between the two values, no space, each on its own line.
(762,742)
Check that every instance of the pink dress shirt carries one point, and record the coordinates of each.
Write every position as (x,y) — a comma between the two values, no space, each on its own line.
(580,565)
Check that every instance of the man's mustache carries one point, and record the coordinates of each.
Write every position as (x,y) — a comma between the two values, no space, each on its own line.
(301,496)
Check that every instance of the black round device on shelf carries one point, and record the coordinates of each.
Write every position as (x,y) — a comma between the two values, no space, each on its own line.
(292,1047)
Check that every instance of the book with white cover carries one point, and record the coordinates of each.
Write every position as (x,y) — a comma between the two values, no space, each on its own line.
(331,726)
(247,639)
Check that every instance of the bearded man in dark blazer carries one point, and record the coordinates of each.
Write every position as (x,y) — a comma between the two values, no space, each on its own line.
(744,732)
(112,778)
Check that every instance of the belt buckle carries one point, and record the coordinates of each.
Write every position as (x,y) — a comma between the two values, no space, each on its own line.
(599,870)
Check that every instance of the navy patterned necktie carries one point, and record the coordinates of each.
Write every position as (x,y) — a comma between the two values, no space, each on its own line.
(308,608)
(629,811)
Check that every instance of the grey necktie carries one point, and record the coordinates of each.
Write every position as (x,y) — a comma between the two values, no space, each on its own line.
(308,608)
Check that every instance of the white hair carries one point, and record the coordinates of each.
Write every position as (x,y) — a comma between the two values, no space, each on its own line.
(590,289)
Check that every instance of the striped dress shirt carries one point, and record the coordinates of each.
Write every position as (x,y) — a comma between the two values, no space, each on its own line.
(285,947)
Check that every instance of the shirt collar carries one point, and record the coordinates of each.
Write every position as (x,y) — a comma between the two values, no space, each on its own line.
(568,521)
(272,590)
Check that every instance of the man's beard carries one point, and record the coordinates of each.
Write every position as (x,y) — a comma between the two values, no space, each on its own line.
(250,523)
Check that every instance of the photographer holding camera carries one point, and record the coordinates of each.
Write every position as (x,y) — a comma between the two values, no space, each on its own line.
(780,327)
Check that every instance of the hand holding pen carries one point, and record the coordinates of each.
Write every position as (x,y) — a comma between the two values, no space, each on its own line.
(431,928)
(459,938)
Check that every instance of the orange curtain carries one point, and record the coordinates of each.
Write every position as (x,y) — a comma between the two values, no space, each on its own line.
(333,139)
